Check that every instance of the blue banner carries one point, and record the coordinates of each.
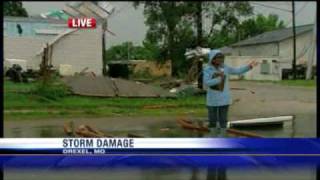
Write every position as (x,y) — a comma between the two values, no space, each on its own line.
(230,152)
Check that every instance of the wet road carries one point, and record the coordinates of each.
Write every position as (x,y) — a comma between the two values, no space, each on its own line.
(266,101)
(161,174)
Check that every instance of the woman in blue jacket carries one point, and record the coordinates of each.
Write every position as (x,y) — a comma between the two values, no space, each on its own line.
(215,78)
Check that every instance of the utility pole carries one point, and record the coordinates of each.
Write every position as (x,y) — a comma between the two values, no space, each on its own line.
(294,70)
(199,63)
(199,23)
(104,28)
(199,42)
(311,57)
(128,51)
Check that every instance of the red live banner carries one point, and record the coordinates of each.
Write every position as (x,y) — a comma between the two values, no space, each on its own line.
(82,23)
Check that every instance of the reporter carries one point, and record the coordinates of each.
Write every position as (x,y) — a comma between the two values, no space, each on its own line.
(215,77)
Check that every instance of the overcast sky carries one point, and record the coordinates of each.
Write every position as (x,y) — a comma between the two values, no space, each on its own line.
(128,23)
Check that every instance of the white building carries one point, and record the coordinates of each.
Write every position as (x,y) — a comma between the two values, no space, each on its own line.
(73,48)
(274,52)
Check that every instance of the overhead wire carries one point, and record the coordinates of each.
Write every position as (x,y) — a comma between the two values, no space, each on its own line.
(272,7)
(297,12)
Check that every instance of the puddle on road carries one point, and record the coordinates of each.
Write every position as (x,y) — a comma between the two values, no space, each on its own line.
(153,128)
(304,173)
(157,128)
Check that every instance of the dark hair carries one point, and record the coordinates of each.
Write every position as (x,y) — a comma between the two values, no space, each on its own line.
(219,55)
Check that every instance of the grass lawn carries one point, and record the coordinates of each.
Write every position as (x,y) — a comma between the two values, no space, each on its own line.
(301,83)
(304,83)
(19,104)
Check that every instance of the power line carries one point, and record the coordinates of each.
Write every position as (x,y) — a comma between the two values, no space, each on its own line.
(287,3)
(302,7)
(125,6)
(268,6)
(300,10)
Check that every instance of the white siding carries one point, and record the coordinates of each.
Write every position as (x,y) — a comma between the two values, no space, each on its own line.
(270,49)
(255,74)
(23,48)
(80,49)
(303,42)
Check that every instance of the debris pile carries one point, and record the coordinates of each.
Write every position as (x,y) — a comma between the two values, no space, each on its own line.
(201,128)
(17,74)
(84,130)
(113,87)
(188,90)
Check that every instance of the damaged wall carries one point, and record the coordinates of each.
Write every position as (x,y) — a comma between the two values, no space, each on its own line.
(24,48)
(80,49)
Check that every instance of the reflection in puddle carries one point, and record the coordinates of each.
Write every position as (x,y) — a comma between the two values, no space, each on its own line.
(147,127)
(16,132)
(157,129)
(164,128)
(164,174)
(46,131)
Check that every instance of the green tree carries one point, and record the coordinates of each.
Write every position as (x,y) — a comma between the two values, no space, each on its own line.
(127,51)
(169,29)
(259,24)
(224,20)
(172,26)
(14,8)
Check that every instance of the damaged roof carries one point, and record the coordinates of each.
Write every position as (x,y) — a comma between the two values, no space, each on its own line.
(274,36)
(101,86)
(33,19)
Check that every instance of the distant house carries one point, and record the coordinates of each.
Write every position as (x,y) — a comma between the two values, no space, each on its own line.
(25,37)
(277,43)
(274,52)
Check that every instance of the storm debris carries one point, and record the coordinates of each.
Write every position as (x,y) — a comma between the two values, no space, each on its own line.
(113,87)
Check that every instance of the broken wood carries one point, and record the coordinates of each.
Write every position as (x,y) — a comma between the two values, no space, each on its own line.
(68,128)
(89,132)
(86,131)
(170,85)
(189,125)
(243,133)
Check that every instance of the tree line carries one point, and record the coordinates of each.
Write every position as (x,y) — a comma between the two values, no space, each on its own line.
(174,26)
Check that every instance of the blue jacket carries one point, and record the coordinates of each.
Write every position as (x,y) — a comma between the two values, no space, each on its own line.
(215,97)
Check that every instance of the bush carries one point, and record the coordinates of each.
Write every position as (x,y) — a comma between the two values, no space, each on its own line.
(142,74)
(52,89)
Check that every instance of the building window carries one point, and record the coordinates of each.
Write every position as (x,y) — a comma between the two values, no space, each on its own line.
(19,29)
(265,67)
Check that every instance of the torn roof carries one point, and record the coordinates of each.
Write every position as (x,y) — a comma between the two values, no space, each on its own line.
(57,38)
(274,36)
(99,10)
(33,19)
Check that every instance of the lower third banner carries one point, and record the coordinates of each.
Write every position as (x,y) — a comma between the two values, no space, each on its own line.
(167,152)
